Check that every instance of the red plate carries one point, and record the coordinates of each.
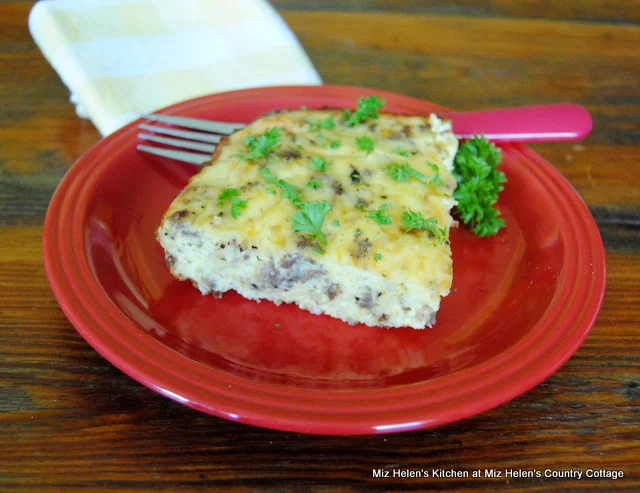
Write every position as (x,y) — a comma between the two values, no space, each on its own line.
(522,302)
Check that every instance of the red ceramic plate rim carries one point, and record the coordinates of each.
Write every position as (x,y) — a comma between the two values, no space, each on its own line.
(546,347)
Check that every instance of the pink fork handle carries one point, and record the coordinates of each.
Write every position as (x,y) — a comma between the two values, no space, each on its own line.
(545,123)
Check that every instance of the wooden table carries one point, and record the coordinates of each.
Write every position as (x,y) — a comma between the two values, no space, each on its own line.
(70,421)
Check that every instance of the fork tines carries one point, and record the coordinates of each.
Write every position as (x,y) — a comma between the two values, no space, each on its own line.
(201,136)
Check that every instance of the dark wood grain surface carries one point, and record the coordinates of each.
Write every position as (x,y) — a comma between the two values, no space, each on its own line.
(70,421)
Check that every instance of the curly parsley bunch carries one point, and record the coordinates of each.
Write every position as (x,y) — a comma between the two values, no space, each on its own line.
(479,184)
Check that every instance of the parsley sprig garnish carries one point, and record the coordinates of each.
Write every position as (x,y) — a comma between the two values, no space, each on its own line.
(308,220)
(236,203)
(415,220)
(261,146)
(380,215)
(367,110)
(479,184)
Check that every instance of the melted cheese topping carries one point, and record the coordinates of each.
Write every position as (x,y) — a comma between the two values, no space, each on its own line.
(354,183)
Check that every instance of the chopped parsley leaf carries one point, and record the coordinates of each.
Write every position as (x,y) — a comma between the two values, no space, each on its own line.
(479,185)
(268,176)
(377,257)
(225,194)
(403,153)
(380,216)
(323,142)
(365,144)
(260,146)
(367,110)
(403,172)
(319,163)
(336,223)
(435,179)
(236,203)
(289,191)
(326,124)
(314,184)
(309,219)
(414,220)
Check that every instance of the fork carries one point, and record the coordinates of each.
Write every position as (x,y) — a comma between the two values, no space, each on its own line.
(202,137)
(542,123)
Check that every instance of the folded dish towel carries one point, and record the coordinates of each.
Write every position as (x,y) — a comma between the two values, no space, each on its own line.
(123,58)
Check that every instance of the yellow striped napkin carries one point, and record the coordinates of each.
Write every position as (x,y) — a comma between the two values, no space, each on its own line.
(123,58)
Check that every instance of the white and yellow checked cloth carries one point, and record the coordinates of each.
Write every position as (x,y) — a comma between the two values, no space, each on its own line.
(123,58)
